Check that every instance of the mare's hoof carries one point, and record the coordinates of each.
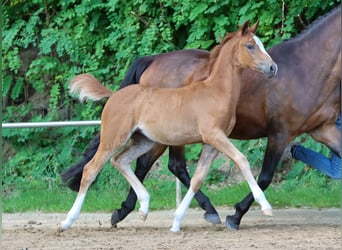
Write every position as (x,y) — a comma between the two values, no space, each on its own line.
(267,212)
(115,218)
(230,224)
(212,218)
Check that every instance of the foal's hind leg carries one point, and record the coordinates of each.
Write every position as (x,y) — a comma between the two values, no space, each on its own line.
(139,146)
(143,166)
(90,171)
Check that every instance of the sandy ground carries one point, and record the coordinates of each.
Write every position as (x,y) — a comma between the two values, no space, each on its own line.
(287,229)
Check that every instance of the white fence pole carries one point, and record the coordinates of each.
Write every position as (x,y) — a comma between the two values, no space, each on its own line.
(50,124)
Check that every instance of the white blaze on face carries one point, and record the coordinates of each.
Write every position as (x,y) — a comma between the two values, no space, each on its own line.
(261,46)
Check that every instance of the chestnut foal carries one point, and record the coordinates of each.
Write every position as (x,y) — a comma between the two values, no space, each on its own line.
(136,118)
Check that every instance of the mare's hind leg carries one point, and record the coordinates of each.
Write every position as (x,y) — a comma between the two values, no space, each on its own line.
(177,165)
(90,171)
(143,166)
(208,155)
(138,146)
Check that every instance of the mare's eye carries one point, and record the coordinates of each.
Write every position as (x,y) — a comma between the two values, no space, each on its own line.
(250,46)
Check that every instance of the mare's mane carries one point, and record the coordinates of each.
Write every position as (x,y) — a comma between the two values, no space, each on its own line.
(318,22)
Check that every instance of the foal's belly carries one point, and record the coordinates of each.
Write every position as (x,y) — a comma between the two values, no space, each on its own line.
(171,135)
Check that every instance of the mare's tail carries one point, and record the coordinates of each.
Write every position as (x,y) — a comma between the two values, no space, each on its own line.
(72,177)
(136,70)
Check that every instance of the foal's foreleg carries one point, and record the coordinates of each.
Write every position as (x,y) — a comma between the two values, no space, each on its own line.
(90,171)
(223,144)
(274,149)
(207,157)
(123,162)
(177,165)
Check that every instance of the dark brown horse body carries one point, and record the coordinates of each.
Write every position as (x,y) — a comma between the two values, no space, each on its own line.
(304,98)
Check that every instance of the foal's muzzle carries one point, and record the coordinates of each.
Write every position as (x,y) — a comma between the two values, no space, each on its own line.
(270,70)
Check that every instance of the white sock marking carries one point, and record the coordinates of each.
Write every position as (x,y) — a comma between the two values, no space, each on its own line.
(180,211)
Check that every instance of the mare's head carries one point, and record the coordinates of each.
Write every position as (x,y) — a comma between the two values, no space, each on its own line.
(251,52)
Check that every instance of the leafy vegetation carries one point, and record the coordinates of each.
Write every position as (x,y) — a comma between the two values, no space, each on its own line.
(46,42)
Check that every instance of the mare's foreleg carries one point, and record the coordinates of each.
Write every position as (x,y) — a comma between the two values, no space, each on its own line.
(177,165)
(90,172)
(139,146)
(329,135)
(207,157)
(143,166)
(275,147)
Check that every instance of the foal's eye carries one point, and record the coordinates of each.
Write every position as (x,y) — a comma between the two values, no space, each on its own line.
(250,46)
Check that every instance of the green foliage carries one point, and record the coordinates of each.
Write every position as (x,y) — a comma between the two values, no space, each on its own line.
(45,43)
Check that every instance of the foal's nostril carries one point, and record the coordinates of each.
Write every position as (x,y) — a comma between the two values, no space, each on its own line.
(274,68)
(271,70)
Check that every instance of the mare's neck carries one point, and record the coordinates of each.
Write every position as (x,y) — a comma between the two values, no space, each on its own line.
(323,38)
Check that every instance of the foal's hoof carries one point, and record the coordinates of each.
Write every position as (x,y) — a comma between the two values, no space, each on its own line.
(230,223)
(115,218)
(174,230)
(212,218)
(142,215)
(60,229)
(267,212)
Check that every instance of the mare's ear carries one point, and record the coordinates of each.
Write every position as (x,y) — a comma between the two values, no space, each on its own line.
(254,27)
(244,28)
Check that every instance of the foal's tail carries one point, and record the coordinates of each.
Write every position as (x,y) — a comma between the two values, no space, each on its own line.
(72,176)
(88,87)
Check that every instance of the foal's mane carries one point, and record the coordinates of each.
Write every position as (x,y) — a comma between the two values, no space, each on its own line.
(216,50)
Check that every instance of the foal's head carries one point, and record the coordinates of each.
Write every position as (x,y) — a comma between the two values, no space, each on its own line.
(251,52)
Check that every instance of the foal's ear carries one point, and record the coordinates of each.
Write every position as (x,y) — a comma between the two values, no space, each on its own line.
(244,28)
(254,27)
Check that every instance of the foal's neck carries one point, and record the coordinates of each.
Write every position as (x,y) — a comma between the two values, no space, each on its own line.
(226,72)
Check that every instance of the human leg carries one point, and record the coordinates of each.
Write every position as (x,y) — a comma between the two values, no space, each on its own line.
(329,166)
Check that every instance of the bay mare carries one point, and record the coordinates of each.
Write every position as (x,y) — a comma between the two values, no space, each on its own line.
(303,98)
(136,118)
